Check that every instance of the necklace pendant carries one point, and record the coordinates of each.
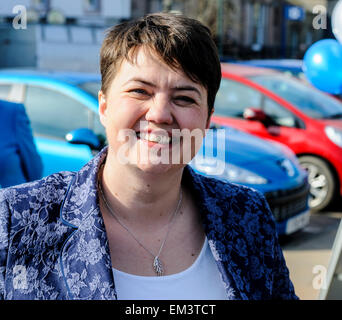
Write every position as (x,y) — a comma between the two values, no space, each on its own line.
(158,266)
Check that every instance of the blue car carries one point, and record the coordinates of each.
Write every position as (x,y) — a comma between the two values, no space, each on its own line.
(268,167)
(68,133)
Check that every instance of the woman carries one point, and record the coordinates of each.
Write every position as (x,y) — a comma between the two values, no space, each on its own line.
(127,226)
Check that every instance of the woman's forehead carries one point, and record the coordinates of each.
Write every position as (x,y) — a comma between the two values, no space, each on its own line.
(147,64)
(144,58)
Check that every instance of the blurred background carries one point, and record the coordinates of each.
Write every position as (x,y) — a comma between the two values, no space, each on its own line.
(61,30)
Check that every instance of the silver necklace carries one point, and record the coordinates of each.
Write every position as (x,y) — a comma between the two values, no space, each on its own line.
(157,264)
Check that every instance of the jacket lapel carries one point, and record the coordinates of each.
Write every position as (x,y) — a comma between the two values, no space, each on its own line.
(219,228)
(85,258)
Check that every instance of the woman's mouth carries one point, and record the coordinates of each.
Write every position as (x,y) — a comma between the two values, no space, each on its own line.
(156,138)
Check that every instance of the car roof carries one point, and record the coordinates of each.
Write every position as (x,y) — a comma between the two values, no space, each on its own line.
(245,70)
(73,78)
(290,64)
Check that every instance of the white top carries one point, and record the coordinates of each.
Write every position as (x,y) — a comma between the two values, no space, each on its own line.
(201,281)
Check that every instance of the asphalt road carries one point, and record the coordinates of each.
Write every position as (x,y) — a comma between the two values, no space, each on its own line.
(307,252)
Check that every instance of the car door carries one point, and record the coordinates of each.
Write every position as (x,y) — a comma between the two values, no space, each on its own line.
(234,98)
(53,114)
(287,129)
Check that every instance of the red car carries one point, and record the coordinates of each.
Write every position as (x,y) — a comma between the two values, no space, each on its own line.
(278,107)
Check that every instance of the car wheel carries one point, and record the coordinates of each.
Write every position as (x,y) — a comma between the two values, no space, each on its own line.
(321,180)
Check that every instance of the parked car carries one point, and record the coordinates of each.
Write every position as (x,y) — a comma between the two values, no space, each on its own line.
(57,104)
(293,67)
(268,167)
(63,112)
(276,107)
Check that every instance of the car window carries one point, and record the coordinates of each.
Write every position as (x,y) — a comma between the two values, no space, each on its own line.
(233,98)
(4,91)
(307,99)
(53,113)
(278,114)
(98,127)
(92,87)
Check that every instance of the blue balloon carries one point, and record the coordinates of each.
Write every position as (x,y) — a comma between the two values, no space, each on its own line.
(323,65)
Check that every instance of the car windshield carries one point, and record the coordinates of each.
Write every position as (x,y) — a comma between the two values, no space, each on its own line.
(309,100)
(91,87)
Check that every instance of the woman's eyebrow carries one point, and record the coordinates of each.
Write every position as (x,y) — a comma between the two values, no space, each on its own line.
(177,88)
(187,88)
(141,81)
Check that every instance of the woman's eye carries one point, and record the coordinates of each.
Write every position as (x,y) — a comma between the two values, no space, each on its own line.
(184,100)
(139,91)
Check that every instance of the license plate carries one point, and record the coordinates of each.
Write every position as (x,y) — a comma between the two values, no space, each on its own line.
(298,222)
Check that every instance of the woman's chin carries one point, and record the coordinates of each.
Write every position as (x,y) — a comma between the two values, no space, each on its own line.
(160,168)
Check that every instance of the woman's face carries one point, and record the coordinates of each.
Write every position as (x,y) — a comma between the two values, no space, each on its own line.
(145,108)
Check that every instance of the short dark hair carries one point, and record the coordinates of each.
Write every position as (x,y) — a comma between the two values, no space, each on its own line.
(181,42)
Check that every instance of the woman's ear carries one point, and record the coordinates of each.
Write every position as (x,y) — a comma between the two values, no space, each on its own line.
(102,107)
(209,118)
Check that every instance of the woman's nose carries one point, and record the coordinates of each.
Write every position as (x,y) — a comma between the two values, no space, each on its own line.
(159,110)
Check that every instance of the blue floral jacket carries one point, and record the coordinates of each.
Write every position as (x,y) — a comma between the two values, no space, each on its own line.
(53,243)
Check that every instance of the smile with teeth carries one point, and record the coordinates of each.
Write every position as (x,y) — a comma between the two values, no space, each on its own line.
(154,138)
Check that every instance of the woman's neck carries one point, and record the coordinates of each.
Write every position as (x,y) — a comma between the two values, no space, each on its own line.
(141,198)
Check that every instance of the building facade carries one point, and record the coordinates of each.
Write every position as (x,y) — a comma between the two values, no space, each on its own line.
(60,32)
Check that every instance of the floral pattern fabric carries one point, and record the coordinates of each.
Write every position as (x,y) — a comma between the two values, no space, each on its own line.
(53,243)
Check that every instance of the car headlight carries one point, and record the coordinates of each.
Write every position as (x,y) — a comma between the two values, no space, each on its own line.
(219,169)
(334,134)
(240,175)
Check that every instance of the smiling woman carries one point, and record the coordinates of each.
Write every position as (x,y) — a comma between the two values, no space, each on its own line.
(152,100)
(144,229)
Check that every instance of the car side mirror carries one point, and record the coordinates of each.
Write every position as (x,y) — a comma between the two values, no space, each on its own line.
(84,136)
(255,114)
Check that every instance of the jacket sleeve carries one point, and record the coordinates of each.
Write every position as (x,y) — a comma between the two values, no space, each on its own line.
(30,159)
(4,241)
(282,287)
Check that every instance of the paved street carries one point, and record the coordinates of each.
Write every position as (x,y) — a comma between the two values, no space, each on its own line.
(309,248)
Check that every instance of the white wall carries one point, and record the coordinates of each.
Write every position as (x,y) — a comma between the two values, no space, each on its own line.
(116,8)
(69,8)
(6,6)
(74,8)
(109,8)
(68,48)
(61,47)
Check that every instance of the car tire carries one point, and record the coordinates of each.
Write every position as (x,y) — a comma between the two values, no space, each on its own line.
(322,182)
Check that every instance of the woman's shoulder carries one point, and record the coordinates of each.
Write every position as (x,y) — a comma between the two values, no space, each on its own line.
(49,189)
(222,189)
(230,202)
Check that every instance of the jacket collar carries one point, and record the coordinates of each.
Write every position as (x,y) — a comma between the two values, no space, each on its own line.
(81,198)
(212,197)
(85,260)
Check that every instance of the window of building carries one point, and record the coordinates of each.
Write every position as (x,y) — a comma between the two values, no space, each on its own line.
(91,6)
(41,6)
